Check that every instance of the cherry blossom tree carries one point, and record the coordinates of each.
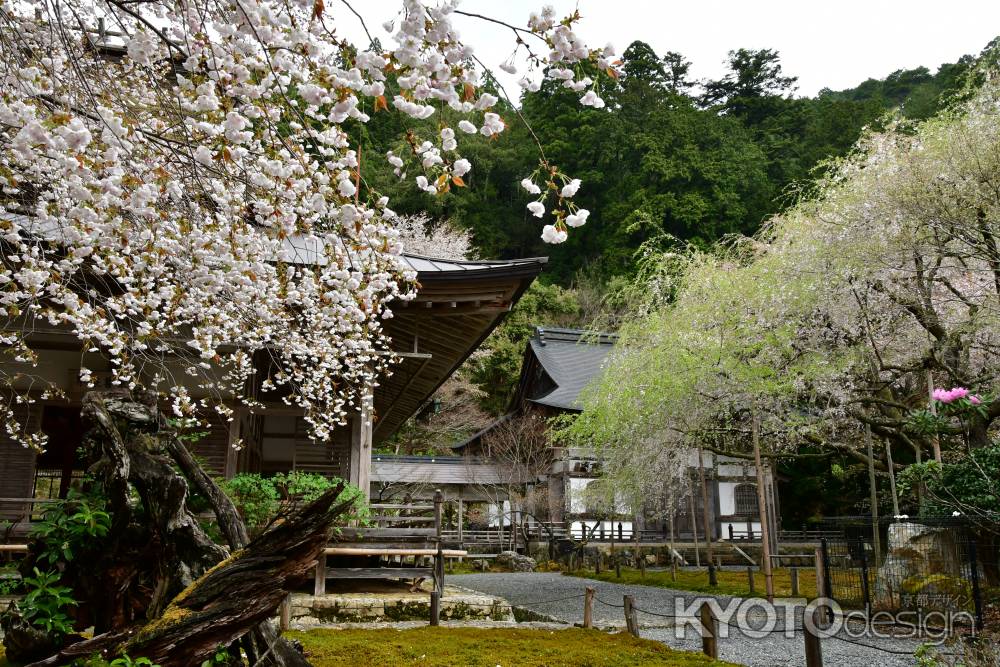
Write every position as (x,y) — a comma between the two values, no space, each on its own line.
(184,174)
(422,236)
(180,196)
(871,305)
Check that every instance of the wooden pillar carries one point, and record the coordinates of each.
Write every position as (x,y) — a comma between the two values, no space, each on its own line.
(232,454)
(285,613)
(439,557)
(319,587)
(631,618)
(707,526)
(461,512)
(765,537)
(710,631)
(361,448)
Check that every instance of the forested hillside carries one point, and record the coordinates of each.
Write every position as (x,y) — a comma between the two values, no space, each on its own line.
(669,160)
(668,155)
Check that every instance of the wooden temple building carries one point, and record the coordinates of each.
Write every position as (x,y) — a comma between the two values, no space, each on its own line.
(458,304)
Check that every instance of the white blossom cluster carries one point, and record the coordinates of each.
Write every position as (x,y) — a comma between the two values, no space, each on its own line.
(431,64)
(181,197)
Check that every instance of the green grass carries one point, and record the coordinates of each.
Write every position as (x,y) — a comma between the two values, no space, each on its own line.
(479,647)
(732,583)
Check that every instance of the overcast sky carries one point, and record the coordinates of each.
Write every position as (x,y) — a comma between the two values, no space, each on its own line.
(827,44)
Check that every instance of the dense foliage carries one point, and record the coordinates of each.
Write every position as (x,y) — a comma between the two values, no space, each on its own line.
(667,155)
(840,317)
(262,499)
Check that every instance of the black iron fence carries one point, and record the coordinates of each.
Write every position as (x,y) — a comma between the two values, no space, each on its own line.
(940,567)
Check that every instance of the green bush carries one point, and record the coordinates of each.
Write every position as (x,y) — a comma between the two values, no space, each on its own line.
(46,602)
(70,527)
(260,499)
(255,497)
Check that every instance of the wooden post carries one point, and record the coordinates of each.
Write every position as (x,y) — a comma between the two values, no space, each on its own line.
(631,620)
(285,613)
(694,523)
(765,528)
(705,521)
(709,631)
(614,556)
(794,572)
(360,461)
(588,607)
(673,551)
(750,579)
(320,585)
(461,519)
(892,478)
(814,651)
(439,557)
(233,454)
(820,574)
(435,608)
(874,495)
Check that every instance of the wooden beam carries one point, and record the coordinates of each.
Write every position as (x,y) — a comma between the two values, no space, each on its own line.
(360,464)
(379,572)
(370,551)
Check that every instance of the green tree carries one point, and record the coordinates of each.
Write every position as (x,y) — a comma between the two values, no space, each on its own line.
(753,75)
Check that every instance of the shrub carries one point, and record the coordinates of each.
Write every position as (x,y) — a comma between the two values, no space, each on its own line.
(255,497)
(261,499)
(46,602)
(70,527)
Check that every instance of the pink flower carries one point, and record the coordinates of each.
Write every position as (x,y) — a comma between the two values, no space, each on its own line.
(959,392)
(954,394)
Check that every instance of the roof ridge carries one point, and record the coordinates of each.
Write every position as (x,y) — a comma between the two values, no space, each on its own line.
(587,335)
(520,260)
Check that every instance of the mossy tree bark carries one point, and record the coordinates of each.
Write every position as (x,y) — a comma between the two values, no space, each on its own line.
(161,588)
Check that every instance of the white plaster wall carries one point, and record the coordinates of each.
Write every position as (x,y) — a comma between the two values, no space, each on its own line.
(576,501)
(740,529)
(495,511)
(727,502)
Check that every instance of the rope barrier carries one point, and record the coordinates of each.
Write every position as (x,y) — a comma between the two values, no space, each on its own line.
(539,602)
(772,631)
(879,648)
(654,613)
(609,604)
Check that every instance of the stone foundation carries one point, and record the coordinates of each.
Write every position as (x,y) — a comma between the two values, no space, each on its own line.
(384,607)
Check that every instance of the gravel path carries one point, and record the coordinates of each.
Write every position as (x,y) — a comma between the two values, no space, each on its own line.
(532,590)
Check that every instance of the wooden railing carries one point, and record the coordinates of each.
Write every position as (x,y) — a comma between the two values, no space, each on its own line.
(16,515)
(396,532)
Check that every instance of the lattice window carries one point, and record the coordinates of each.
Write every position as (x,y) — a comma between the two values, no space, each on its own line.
(745,497)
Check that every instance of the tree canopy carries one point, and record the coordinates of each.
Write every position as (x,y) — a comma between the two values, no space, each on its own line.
(842,314)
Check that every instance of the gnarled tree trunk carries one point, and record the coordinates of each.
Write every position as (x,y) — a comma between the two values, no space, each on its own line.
(161,588)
